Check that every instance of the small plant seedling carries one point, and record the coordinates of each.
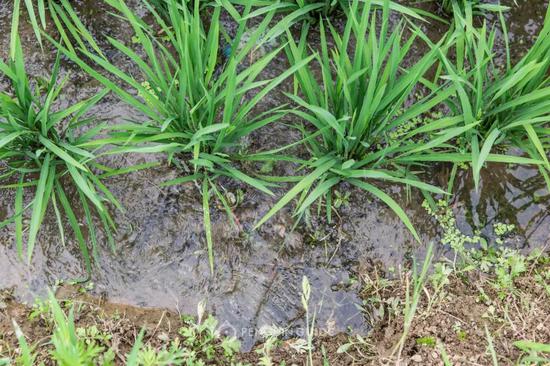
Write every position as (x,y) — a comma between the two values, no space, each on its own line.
(427,341)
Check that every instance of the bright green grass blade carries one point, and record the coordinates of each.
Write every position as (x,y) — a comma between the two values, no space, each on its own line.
(225,204)
(537,143)
(74,226)
(127,170)
(42,12)
(90,225)
(9,138)
(237,174)
(302,186)
(322,189)
(61,153)
(373,174)
(58,219)
(14,35)
(182,180)
(485,151)
(85,187)
(37,206)
(388,201)
(445,136)
(32,16)
(133,357)
(26,358)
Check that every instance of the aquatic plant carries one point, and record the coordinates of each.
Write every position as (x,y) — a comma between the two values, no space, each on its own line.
(508,104)
(198,105)
(358,104)
(44,146)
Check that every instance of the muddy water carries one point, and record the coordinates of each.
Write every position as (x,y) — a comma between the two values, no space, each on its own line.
(161,259)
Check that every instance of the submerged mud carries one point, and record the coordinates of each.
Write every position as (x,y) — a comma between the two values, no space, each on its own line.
(161,259)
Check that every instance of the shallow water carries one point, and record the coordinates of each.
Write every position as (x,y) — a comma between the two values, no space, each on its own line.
(161,259)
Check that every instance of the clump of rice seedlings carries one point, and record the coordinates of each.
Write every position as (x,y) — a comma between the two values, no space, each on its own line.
(41,146)
(508,104)
(198,107)
(357,106)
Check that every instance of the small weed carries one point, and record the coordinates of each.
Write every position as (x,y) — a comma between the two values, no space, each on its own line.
(426,341)
(504,264)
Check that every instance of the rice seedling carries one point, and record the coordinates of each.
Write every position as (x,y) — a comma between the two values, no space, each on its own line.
(27,357)
(41,147)
(356,108)
(198,107)
(509,104)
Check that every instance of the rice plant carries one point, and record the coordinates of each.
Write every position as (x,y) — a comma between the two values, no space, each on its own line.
(358,130)
(316,9)
(509,104)
(198,105)
(41,147)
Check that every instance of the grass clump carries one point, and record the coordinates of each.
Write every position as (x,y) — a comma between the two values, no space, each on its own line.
(198,108)
(357,106)
(508,104)
(44,147)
